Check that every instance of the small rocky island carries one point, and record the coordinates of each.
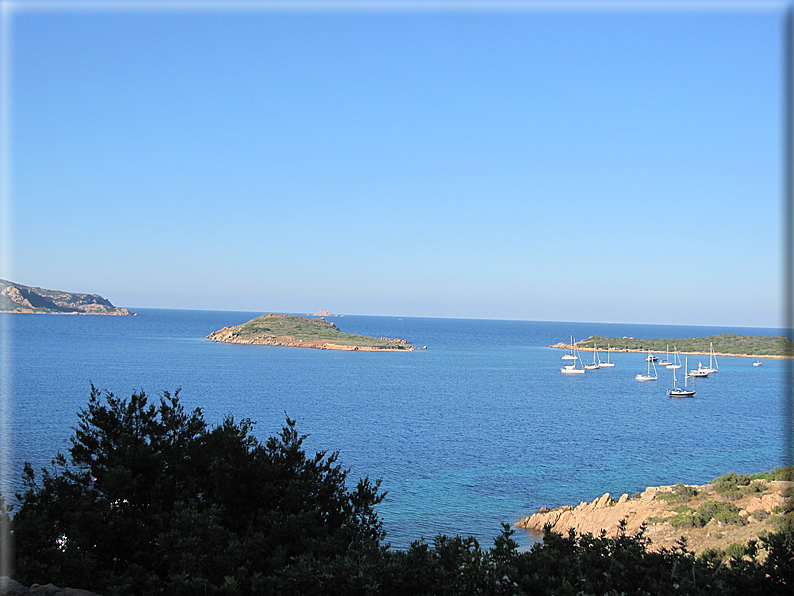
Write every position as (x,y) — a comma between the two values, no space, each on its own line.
(731,509)
(17,298)
(293,331)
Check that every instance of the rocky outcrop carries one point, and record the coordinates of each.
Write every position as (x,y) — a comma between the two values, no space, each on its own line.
(655,505)
(17,298)
(10,587)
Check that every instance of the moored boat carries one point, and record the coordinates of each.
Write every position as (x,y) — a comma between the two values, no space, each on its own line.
(647,376)
(607,363)
(677,391)
(571,369)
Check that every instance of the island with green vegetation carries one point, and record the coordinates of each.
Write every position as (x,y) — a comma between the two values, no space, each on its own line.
(728,344)
(17,298)
(294,331)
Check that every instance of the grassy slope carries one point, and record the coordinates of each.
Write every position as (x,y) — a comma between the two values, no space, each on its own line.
(307,329)
(723,344)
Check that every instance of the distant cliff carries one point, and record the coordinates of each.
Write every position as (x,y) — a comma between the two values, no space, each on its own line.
(17,298)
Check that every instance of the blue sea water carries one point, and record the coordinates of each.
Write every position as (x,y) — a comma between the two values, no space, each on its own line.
(479,429)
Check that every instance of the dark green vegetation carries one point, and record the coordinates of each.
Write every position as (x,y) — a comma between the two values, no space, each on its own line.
(729,487)
(746,345)
(304,329)
(153,501)
(15,297)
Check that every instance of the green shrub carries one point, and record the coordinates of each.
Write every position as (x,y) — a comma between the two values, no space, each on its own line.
(726,513)
(730,482)
(760,514)
(736,550)
(685,492)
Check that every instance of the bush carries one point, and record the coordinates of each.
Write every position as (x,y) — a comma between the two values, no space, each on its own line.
(152,500)
(760,514)
(730,482)
(726,513)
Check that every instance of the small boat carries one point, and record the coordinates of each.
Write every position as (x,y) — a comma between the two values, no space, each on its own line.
(757,363)
(571,355)
(595,363)
(697,373)
(648,377)
(651,357)
(607,363)
(666,360)
(676,361)
(570,369)
(713,366)
(677,391)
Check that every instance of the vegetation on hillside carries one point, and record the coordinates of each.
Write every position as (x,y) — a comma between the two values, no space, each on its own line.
(277,325)
(728,343)
(151,500)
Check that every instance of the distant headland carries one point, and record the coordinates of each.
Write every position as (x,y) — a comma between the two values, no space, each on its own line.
(729,344)
(16,298)
(293,331)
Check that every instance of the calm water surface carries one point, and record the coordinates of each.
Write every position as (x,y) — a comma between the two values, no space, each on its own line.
(480,428)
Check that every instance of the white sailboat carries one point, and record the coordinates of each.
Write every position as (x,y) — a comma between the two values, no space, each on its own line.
(595,363)
(648,377)
(666,360)
(676,361)
(571,369)
(607,363)
(678,392)
(570,356)
(713,366)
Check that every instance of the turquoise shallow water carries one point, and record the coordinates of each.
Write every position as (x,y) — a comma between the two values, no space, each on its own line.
(479,429)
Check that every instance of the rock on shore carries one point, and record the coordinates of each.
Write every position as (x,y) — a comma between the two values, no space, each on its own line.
(606,513)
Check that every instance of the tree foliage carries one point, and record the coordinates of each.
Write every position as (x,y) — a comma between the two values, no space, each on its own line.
(151,500)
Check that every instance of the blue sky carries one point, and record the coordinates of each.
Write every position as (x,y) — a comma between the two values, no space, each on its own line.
(606,164)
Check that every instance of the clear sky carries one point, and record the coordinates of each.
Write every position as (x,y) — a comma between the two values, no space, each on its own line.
(588,163)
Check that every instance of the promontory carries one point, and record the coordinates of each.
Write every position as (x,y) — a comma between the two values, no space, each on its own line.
(294,331)
(733,508)
(17,298)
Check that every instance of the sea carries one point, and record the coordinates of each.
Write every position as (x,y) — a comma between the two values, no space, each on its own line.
(478,429)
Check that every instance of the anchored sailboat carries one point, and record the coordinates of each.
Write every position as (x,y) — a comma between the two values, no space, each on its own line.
(648,377)
(676,361)
(676,391)
(570,356)
(713,366)
(607,363)
(666,360)
(595,363)
(570,369)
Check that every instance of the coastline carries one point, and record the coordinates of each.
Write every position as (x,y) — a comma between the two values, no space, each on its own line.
(658,508)
(564,346)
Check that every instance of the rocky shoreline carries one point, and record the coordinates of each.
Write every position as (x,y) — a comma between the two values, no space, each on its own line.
(658,506)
